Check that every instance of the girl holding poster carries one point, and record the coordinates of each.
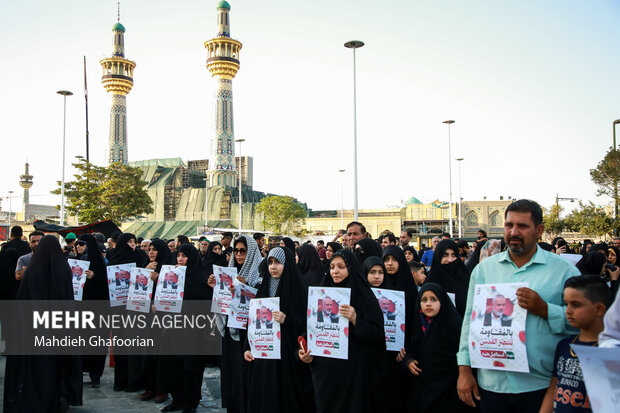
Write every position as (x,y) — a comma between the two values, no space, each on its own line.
(246,258)
(351,385)
(95,288)
(185,373)
(432,353)
(281,385)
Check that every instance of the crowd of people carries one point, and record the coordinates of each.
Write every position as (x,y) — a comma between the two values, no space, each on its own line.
(566,304)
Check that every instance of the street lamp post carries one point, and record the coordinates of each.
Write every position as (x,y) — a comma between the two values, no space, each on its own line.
(617,121)
(460,199)
(206,203)
(64,94)
(354,44)
(450,122)
(240,196)
(341,198)
(10,207)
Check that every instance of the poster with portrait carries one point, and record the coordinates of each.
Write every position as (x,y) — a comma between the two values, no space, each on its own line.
(263,331)
(78,276)
(497,329)
(118,283)
(600,368)
(328,331)
(222,296)
(140,290)
(392,305)
(169,290)
(240,305)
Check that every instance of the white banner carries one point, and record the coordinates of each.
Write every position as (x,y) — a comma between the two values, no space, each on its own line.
(328,331)
(222,296)
(169,290)
(392,305)
(263,331)
(118,283)
(140,290)
(497,329)
(240,305)
(78,276)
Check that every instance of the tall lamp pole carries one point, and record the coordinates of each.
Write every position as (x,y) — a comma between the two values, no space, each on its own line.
(450,122)
(617,121)
(354,44)
(10,207)
(240,196)
(341,197)
(460,199)
(64,94)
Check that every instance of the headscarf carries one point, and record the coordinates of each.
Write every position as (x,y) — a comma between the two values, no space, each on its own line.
(453,277)
(164,256)
(212,258)
(435,349)
(95,288)
(336,246)
(371,262)
(290,289)
(616,252)
(274,283)
(402,281)
(48,276)
(599,247)
(310,265)
(196,287)
(288,243)
(409,248)
(367,248)
(591,263)
(124,254)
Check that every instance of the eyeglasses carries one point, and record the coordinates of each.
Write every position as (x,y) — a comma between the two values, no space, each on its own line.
(240,251)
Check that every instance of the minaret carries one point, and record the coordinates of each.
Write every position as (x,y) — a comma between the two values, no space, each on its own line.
(223,63)
(25,181)
(118,79)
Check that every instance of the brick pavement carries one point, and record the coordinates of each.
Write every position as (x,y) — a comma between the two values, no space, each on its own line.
(105,399)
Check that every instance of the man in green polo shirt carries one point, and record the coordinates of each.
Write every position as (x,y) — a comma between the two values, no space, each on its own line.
(524,261)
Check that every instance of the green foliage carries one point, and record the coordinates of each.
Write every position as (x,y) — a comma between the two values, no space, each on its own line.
(607,173)
(98,193)
(590,219)
(281,213)
(551,219)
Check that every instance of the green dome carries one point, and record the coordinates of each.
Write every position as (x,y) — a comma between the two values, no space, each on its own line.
(412,200)
(223,5)
(118,27)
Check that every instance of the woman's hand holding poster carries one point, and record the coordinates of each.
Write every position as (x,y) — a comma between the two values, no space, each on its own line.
(170,286)
(263,330)
(78,268)
(392,305)
(497,329)
(118,283)
(240,305)
(140,290)
(222,296)
(328,331)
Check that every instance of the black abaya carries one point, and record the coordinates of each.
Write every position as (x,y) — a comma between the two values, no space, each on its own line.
(283,385)
(44,383)
(367,247)
(435,350)
(310,265)
(453,277)
(351,385)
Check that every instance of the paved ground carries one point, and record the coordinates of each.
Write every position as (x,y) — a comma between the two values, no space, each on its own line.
(105,399)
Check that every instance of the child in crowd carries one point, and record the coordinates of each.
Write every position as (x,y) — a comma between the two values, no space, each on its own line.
(431,356)
(418,272)
(587,298)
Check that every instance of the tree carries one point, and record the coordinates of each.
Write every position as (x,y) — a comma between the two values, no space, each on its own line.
(606,176)
(590,219)
(98,193)
(281,213)
(551,219)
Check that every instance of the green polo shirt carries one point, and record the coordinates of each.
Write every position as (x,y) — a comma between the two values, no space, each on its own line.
(546,274)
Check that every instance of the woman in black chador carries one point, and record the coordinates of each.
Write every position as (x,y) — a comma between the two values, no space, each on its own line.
(95,288)
(282,385)
(450,272)
(44,383)
(310,266)
(351,385)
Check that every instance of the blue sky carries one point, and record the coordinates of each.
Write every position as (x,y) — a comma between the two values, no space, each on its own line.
(533,87)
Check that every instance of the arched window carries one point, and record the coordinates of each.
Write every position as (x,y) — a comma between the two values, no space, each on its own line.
(471,219)
(495,219)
